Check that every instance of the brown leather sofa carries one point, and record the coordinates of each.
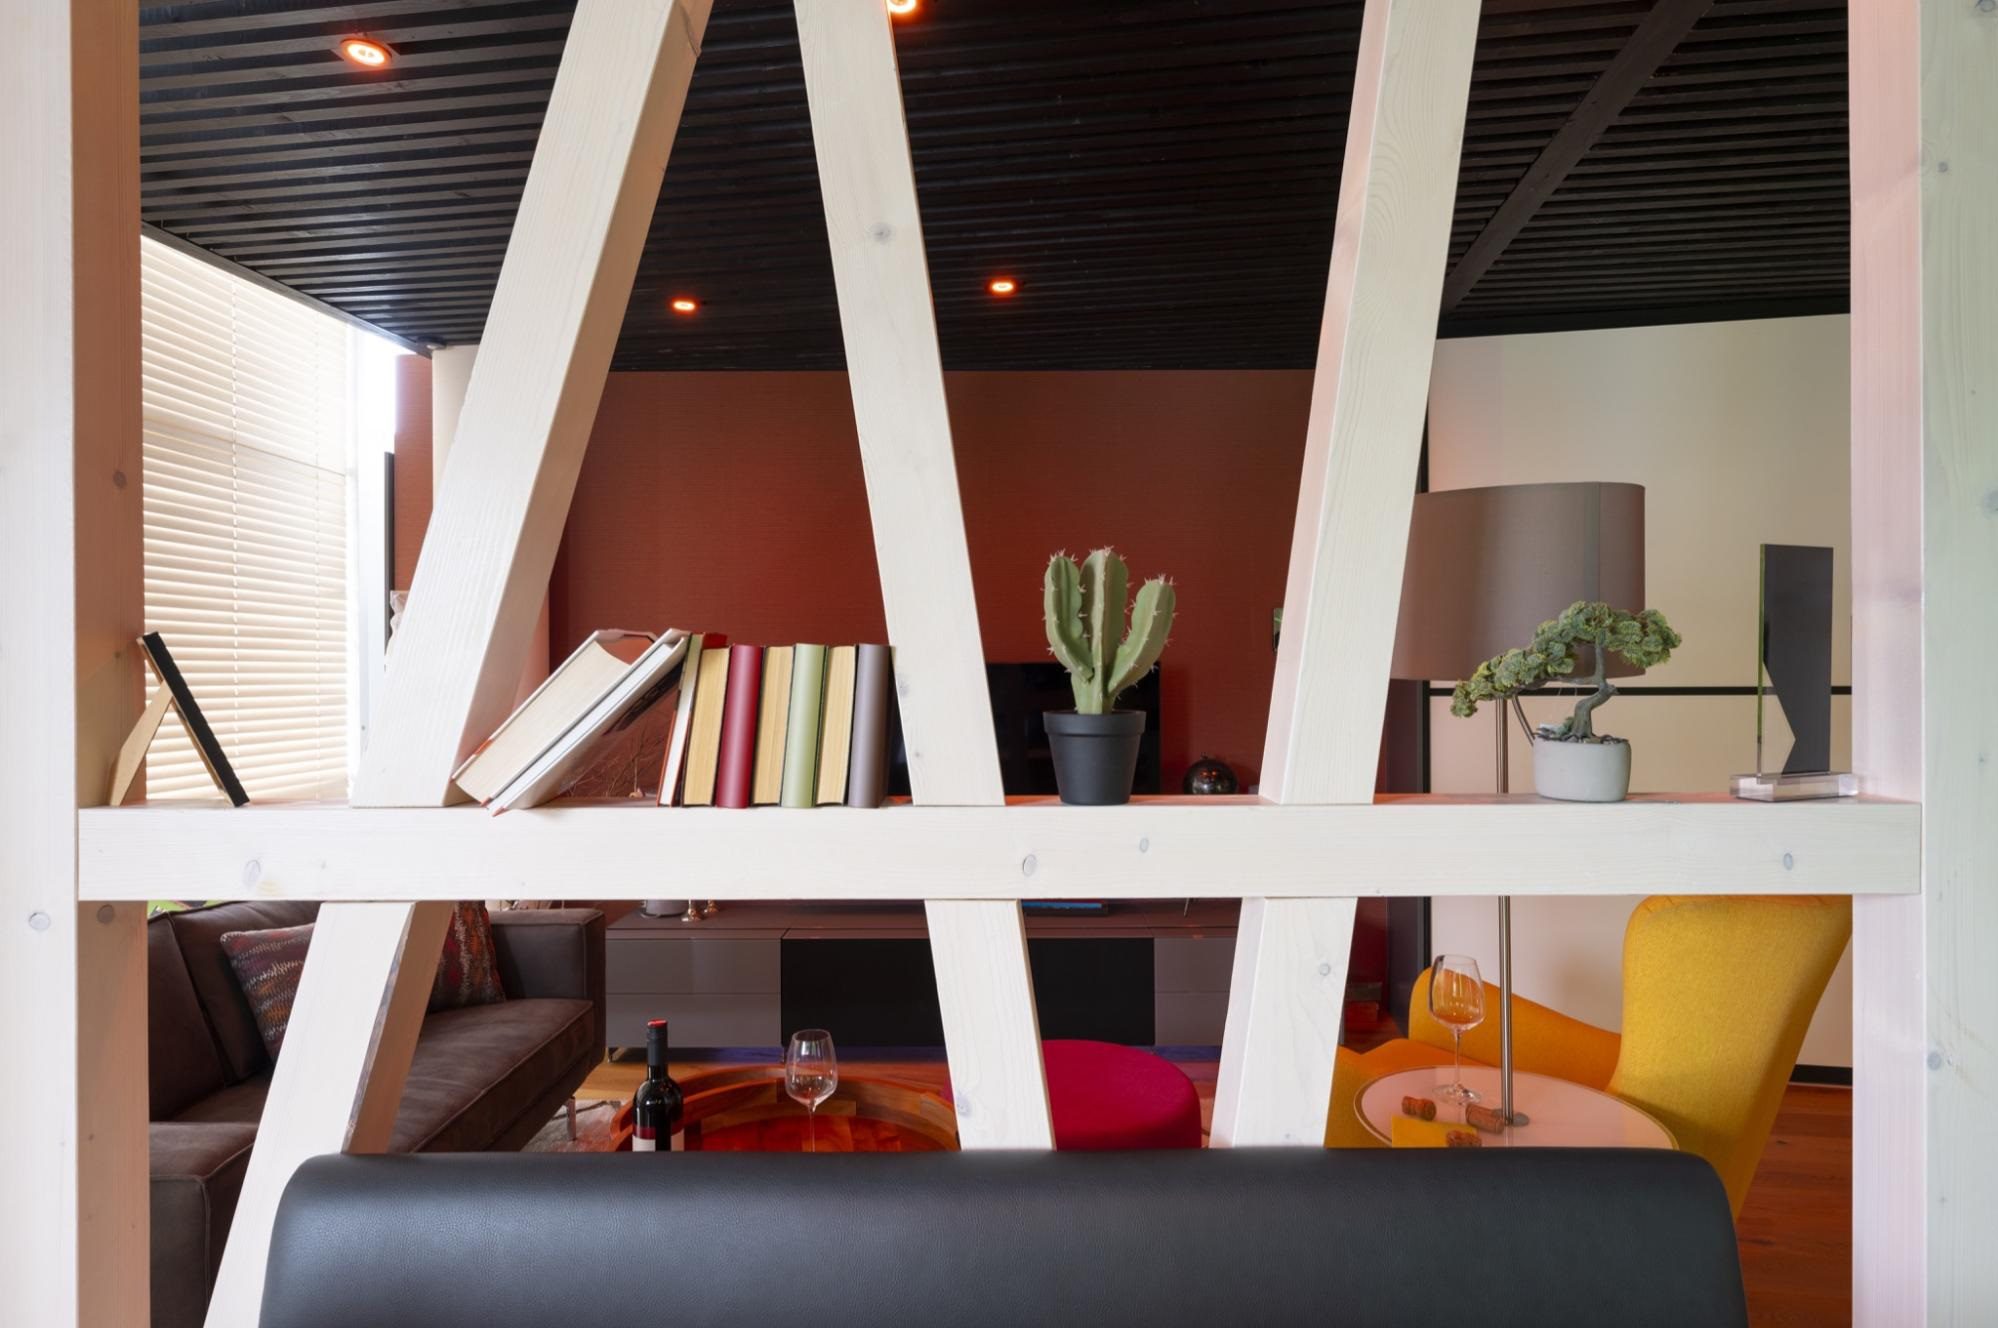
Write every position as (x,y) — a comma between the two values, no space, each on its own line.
(484,1078)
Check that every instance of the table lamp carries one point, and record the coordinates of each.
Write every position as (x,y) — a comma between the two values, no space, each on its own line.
(1485,568)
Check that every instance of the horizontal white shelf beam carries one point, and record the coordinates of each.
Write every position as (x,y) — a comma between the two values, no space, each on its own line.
(1032,848)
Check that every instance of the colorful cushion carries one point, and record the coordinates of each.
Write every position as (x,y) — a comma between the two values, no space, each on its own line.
(468,970)
(1102,1095)
(267,965)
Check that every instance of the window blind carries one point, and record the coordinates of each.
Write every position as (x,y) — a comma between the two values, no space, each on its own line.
(246,447)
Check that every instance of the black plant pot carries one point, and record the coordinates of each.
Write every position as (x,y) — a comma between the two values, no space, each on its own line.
(1095,756)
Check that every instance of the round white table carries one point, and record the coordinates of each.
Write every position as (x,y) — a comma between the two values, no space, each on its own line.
(1560,1114)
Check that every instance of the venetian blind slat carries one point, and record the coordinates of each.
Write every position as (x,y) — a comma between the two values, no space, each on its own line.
(246,440)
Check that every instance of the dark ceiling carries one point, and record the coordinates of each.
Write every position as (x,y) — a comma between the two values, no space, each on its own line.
(1160,175)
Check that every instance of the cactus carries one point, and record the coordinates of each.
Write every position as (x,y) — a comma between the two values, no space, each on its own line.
(1084,607)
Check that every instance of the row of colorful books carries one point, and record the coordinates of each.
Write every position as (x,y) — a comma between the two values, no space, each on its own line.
(722,725)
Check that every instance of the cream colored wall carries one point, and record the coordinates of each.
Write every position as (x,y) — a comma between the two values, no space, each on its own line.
(1739,433)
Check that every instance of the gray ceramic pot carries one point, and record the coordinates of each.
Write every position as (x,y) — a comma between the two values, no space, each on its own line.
(1095,756)
(1581,771)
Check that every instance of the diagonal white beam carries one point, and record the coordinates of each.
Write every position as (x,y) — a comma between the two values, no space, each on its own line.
(1381,301)
(499,512)
(480,580)
(889,324)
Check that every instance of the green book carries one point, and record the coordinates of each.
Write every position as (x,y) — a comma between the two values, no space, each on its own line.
(801,729)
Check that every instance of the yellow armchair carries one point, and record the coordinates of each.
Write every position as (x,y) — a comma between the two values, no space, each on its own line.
(1717,994)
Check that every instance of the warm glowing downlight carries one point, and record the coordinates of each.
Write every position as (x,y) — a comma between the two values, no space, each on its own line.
(1002,285)
(900,7)
(683,305)
(366,53)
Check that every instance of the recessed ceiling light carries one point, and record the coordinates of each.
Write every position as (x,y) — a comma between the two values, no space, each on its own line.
(365,52)
(1002,285)
(683,305)
(901,7)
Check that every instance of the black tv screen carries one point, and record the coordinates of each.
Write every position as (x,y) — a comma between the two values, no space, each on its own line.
(1021,693)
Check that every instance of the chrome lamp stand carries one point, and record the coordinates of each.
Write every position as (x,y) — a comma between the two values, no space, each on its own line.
(1505,924)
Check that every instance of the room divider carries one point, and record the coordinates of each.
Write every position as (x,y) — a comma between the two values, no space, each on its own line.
(1297,856)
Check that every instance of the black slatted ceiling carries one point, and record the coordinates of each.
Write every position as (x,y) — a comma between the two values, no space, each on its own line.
(1160,175)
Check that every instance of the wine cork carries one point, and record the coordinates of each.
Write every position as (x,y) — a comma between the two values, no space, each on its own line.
(1488,1119)
(1419,1107)
(1462,1139)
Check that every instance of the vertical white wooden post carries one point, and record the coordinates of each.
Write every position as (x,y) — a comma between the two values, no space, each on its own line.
(1925,627)
(1344,590)
(876,233)
(74,1232)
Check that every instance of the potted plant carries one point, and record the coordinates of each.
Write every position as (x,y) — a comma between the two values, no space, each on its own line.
(1571,760)
(1095,745)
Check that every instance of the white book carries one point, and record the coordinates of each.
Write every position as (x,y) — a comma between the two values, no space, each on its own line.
(552,709)
(648,681)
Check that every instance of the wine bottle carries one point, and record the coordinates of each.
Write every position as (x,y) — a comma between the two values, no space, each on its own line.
(655,1111)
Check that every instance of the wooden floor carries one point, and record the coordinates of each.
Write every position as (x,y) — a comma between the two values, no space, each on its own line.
(1795,1229)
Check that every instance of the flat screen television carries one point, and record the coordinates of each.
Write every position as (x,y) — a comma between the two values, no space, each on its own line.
(1021,693)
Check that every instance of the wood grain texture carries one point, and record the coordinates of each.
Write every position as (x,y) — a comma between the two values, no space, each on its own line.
(896,375)
(1285,1000)
(483,574)
(132,754)
(1343,593)
(1203,848)
(1367,401)
(353,1026)
(1925,541)
(74,1236)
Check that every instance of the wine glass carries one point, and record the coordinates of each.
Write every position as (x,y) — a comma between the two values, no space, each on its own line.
(811,1073)
(1457,1000)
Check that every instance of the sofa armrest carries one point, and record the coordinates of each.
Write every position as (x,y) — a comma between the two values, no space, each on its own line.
(552,952)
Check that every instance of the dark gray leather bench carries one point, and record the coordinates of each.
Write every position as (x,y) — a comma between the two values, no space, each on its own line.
(1265,1237)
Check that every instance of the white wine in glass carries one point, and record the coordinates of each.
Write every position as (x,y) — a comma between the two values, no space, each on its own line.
(1457,1001)
(811,1073)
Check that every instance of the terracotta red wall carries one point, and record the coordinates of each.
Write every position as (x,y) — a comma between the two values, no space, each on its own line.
(734,502)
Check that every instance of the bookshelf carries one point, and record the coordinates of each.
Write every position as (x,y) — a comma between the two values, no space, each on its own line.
(1923,546)
(1166,847)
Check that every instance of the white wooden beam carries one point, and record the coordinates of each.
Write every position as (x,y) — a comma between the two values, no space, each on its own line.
(1382,297)
(889,324)
(533,395)
(1152,849)
(340,1076)
(74,1234)
(1925,624)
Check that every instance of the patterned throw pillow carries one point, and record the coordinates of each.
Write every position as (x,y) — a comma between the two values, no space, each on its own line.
(468,971)
(267,965)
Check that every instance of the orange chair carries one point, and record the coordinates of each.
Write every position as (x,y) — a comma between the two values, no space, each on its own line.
(1717,994)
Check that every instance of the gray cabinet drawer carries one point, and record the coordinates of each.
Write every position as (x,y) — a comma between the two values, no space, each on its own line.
(697,1020)
(1188,1018)
(672,963)
(1190,964)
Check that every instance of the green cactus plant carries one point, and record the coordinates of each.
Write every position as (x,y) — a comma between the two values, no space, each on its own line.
(1086,622)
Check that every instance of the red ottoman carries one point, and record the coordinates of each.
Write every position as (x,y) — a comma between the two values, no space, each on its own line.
(1107,1096)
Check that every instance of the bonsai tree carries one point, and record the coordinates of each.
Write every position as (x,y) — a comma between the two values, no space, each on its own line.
(1084,606)
(1644,639)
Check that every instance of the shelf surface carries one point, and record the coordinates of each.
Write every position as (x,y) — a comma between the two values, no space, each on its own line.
(1035,848)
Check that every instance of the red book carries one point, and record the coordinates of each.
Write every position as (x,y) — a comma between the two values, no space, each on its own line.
(734,775)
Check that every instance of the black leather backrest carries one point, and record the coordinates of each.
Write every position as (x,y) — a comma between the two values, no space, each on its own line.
(1265,1237)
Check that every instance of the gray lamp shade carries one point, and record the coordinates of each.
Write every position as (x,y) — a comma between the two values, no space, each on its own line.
(1487,566)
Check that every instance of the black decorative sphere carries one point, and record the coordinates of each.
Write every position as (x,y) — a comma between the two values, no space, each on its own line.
(1208,775)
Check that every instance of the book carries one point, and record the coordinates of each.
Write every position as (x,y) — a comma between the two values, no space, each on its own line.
(746,684)
(836,729)
(551,710)
(647,682)
(704,738)
(770,726)
(674,762)
(205,743)
(801,730)
(867,764)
